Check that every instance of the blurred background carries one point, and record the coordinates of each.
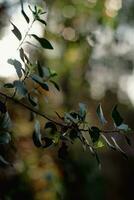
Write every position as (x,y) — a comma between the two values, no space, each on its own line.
(93,44)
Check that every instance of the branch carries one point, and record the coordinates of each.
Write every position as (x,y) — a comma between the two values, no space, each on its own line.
(31,109)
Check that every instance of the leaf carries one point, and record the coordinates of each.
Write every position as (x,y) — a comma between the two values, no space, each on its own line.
(21,89)
(118,120)
(55,84)
(23,12)
(99,144)
(8,85)
(124,127)
(17,65)
(32,100)
(100,115)
(25,16)
(107,142)
(43,42)
(119,149)
(2,107)
(82,111)
(3,162)
(42,21)
(23,56)
(5,138)
(38,80)
(94,134)
(62,153)
(37,134)
(16,32)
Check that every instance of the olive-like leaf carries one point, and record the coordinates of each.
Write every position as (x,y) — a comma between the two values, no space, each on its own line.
(39,80)
(50,125)
(48,142)
(17,65)
(25,16)
(43,42)
(32,100)
(21,88)
(55,85)
(16,32)
(118,120)
(5,121)
(94,133)
(42,21)
(101,115)
(40,69)
(82,111)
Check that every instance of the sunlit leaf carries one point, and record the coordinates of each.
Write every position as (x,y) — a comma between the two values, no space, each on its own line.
(43,42)
(16,32)
(100,115)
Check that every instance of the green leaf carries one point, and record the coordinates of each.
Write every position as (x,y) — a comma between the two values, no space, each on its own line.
(99,144)
(38,80)
(94,134)
(55,85)
(118,120)
(21,88)
(5,138)
(37,134)
(42,21)
(17,65)
(82,111)
(16,32)
(32,100)
(100,115)
(43,42)
(8,85)
(23,56)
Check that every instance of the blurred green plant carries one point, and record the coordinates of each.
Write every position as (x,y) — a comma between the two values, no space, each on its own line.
(66,129)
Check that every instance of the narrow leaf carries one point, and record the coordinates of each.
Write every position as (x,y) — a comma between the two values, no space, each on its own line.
(43,42)
(32,100)
(94,134)
(8,85)
(25,16)
(42,21)
(16,32)
(55,85)
(5,138)
(21,88)
(118,120)
(48,142)
(100,115)
(3,162)
(39,80)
